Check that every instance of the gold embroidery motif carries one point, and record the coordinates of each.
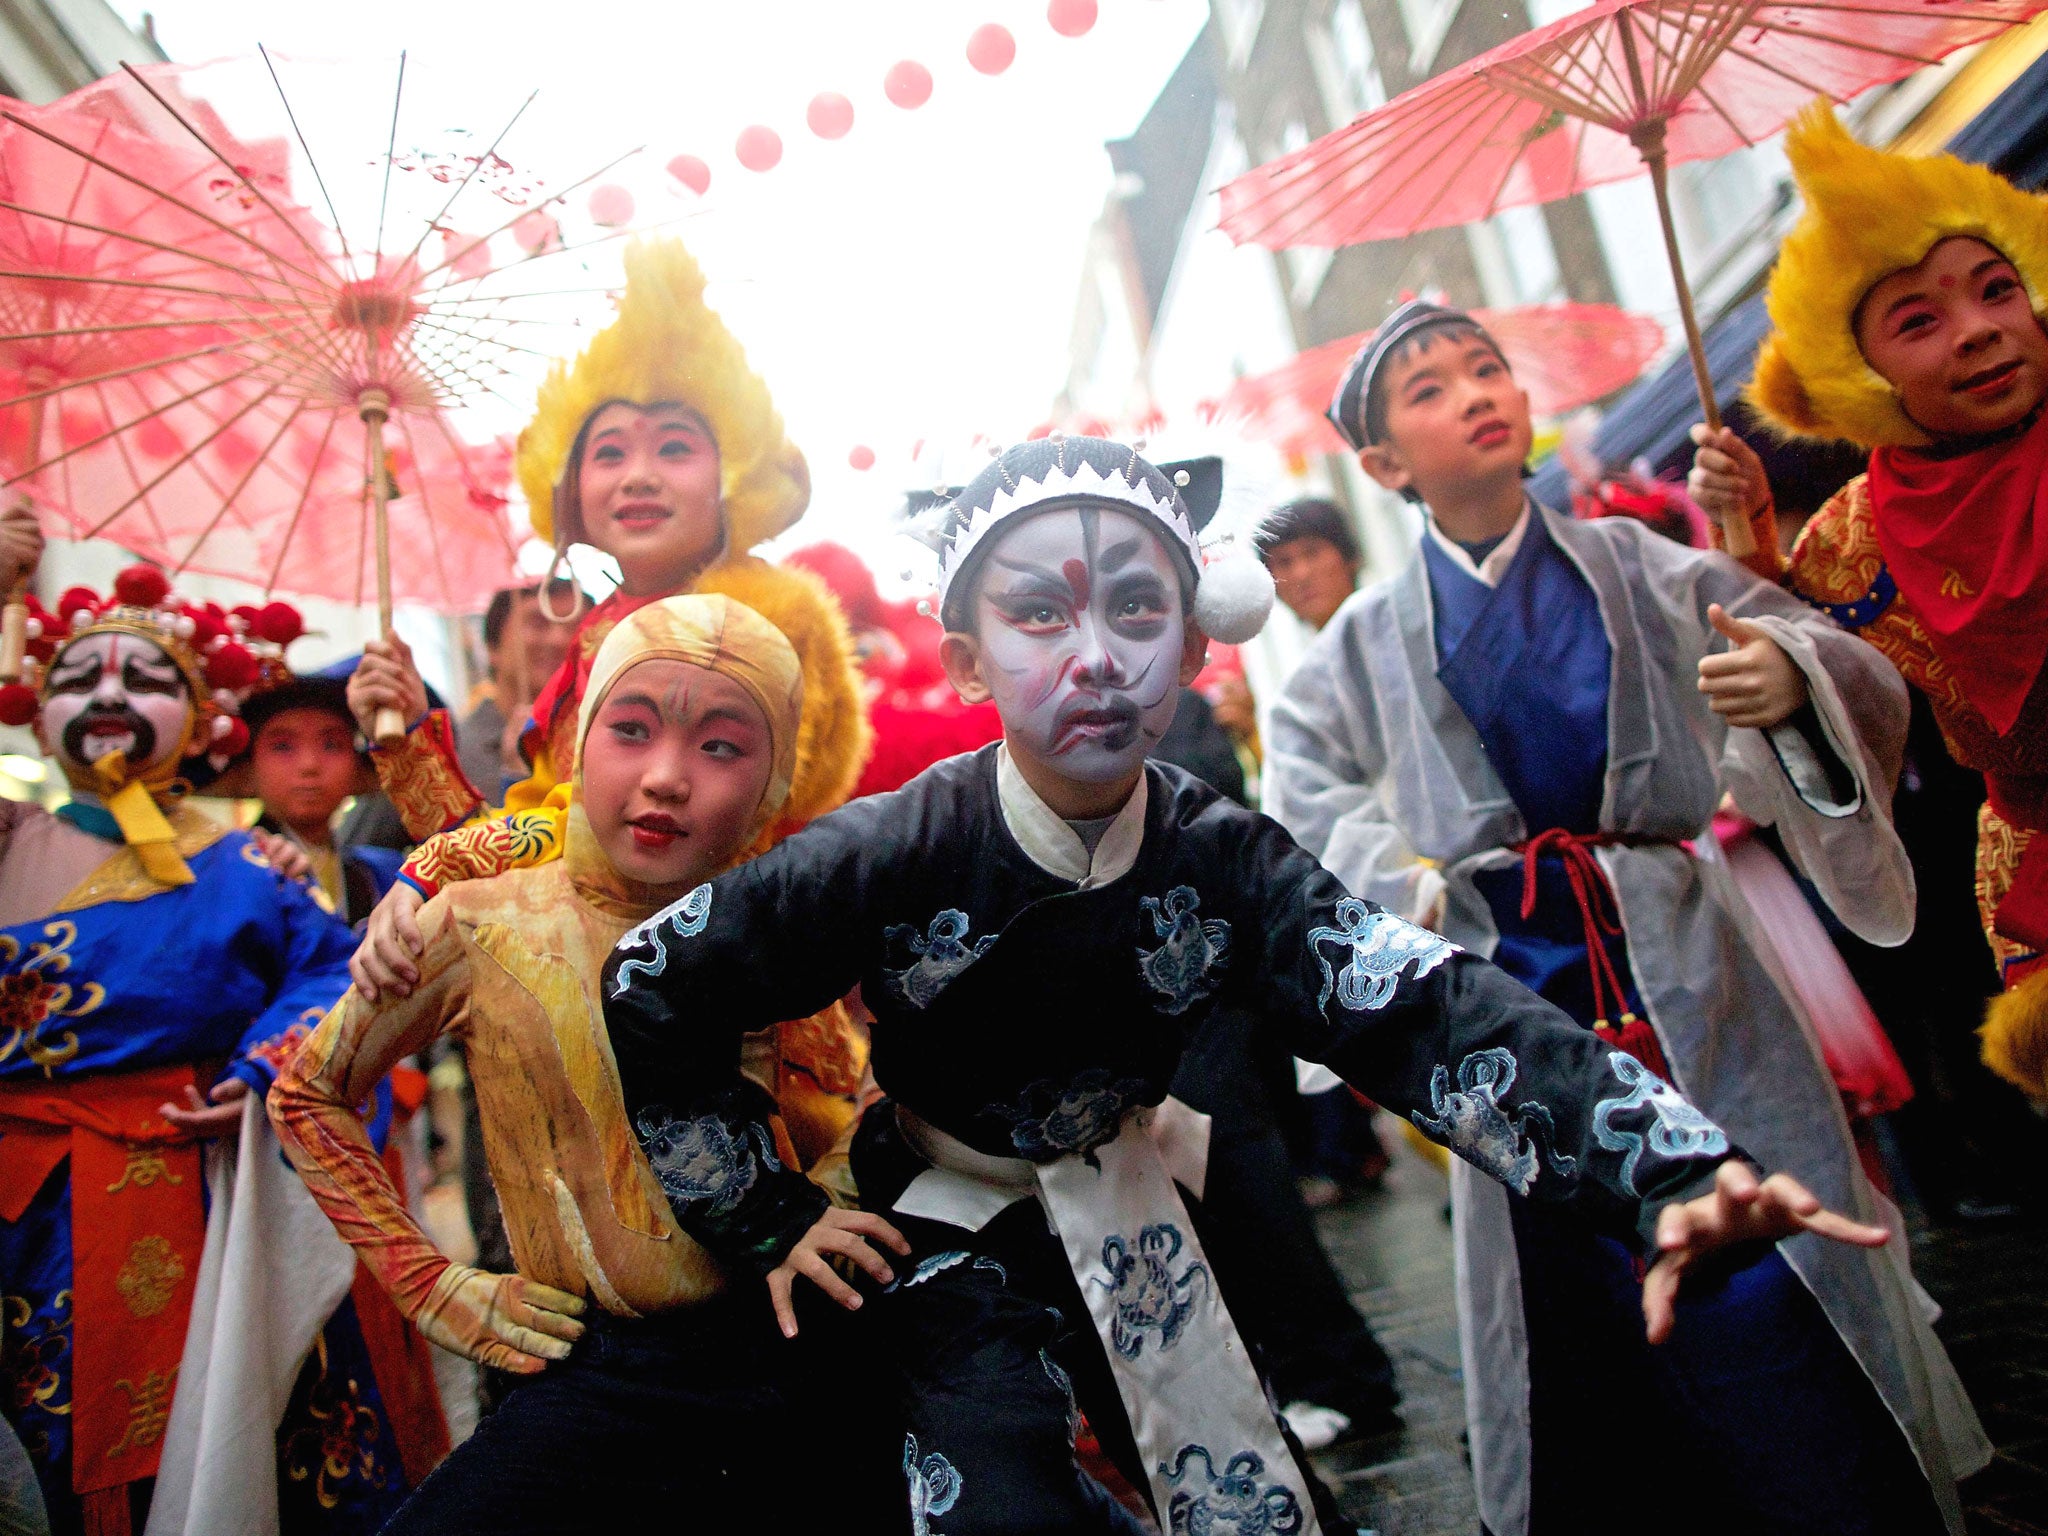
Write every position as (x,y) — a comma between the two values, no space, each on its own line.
(145,1166)
(29,999)
(2000,847)
(341,1441)
(149,1410)
(31,1357)
(1953,585)
(150,1276)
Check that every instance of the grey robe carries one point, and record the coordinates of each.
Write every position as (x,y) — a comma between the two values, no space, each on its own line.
(1375,769)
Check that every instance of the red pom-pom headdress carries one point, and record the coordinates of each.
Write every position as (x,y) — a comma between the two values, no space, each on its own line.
(224,657)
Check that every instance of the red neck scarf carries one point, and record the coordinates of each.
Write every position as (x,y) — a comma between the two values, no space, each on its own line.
(1966,539)
(563,695)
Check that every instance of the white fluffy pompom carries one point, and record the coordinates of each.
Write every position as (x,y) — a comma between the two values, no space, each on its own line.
(1234,598)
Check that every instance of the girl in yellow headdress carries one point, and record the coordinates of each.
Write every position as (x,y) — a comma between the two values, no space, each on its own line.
(1909,307)
(660,446)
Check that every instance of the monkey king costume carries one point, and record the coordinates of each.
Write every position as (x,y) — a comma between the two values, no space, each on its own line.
(1938,555)
(510,968)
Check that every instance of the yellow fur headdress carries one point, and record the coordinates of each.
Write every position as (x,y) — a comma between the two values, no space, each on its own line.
(1868,214)
(667,344)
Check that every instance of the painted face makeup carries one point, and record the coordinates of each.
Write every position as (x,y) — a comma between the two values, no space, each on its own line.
(649,487)
(114,692)
(1079,616)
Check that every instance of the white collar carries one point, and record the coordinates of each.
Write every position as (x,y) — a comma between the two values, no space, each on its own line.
(1498,559)
(1056,847)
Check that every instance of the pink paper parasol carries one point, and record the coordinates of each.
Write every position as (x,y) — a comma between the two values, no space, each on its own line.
(1565,355)
(329,386)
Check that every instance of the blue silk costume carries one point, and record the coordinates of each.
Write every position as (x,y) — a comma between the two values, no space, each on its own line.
(128,976)
(1754,1371)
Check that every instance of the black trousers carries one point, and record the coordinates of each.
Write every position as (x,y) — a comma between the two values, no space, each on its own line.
(990,1351)
(703,1420)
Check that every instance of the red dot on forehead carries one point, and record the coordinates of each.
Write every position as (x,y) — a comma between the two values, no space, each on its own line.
(1947,281)
(1076,572)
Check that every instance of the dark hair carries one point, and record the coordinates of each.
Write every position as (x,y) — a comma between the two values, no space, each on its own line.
(499,614)
(1309,518)
(1458,330)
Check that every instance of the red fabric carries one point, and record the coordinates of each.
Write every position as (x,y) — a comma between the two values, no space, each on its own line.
(1599,916)
(1966,539)
(138,1225)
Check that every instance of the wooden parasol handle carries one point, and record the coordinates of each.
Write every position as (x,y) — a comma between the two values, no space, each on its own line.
(1736,537)
(374,406)
(14,632)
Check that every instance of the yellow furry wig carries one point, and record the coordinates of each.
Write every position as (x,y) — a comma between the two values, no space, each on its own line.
(1868,214)
(667,345)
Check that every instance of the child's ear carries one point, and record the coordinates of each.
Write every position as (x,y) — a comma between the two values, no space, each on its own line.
(1385,464)
(1194,653)
(960,655)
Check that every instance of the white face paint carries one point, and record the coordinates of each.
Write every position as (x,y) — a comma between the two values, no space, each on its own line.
(1079,615)
(112,692)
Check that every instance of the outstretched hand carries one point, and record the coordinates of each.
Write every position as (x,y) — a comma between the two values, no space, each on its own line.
(1741,1209)
(1755,684)
(841,1233)
(508,1321)
(383,962)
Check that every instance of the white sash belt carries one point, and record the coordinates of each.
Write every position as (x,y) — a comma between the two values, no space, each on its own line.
(1211,1447)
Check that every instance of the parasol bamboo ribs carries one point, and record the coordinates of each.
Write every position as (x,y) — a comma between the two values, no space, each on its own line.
(374,406)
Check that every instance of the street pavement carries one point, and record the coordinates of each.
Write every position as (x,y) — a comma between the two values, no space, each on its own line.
(1393,1248)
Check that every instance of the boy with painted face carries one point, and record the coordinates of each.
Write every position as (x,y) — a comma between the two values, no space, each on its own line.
(1909,309)
(1037,927)
(1499,742)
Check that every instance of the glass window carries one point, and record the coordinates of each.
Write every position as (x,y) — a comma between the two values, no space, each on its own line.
(1426,22)
(1347,69)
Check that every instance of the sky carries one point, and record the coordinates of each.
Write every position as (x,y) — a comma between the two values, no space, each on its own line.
(914,280)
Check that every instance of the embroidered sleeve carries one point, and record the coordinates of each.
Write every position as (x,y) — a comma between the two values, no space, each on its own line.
(1838,566)
(423,776)
(482,849)
(311,949)
(776,939)
(1473,1059)
(314,1108)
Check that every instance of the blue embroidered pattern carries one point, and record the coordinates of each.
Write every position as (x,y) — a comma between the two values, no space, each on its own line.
(1381,945)
(1148,1296)
(702,1162)
(1862,611)
(687,917)
(940,956)
(1048,1121)
(1230,1501)
(1064,1382)
(1680,1130)
(1183,968)
(1472,1123)
(934,1486)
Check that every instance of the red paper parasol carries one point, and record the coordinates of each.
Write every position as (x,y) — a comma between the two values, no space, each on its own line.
(1598,96)
(1565,355)
(318,410)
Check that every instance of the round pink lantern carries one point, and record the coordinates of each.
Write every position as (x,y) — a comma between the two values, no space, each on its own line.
(908,84)
(611,205)
(1071,18)
(830,115)
(691,172)
(536,231)
(759,148)
(862,457)
(991,49)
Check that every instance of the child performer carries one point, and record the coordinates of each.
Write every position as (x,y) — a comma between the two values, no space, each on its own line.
(1495,742)
(1038,927)
(685,749)
(1909,307)
(659,446)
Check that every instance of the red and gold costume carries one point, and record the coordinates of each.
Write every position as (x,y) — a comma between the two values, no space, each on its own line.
(1939,554)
